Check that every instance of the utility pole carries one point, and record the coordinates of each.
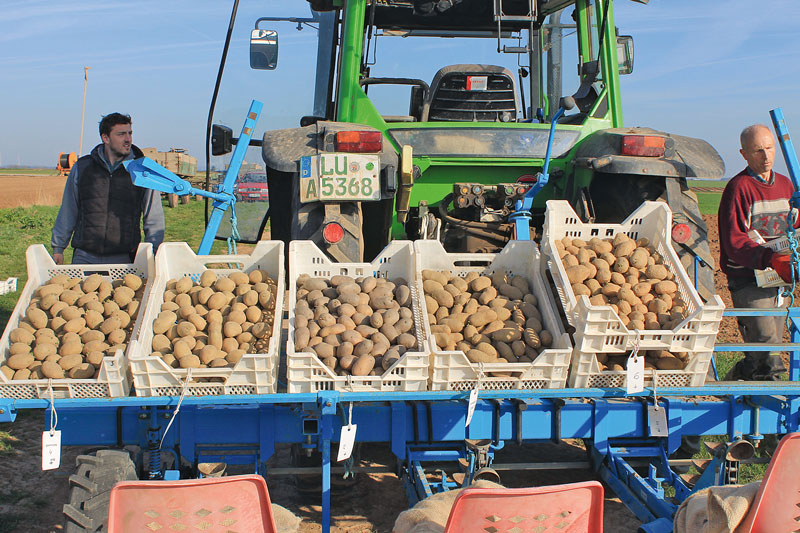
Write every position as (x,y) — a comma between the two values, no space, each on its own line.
(83,111)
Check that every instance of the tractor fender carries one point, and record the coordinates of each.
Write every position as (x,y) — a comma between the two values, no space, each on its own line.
(684,157)
(282,149)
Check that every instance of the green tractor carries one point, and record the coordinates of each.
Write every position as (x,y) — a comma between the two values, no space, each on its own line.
(468,145)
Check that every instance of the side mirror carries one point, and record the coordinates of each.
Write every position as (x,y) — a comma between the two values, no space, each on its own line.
(221,139)
(263,49)
(625,53)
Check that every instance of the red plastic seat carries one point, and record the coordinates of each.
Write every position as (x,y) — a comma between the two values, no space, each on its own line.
(572,508)
(235,503)
(776,506)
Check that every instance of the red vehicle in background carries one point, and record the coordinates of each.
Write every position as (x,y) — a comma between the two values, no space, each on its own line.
(252,187)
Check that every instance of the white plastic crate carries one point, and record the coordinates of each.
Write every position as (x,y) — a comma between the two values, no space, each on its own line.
(7,286)
(600,330)
(451,370)
(586,373)
(254,373)
(304,370)
(768,278)
(114,378)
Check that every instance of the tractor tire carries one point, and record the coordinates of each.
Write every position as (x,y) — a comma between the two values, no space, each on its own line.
(90,488)
(612,207)
(307,224)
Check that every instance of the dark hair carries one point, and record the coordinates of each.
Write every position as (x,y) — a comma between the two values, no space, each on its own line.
(111,120)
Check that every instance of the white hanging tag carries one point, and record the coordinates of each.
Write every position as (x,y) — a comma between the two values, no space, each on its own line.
(473,396)
(635,376)
(51,439)
(473,401)
(346,442)
(779,298)
(657,419)
(51,449)
(347,439)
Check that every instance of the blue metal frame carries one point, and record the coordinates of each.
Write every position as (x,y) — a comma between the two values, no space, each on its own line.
(147,173)
(409,421)
(522,215)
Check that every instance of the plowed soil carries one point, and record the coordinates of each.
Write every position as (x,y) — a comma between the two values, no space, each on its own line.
(25,190)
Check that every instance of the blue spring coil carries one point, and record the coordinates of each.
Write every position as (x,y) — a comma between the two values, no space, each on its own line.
(155,462)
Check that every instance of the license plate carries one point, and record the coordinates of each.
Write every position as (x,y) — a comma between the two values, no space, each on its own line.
(336,177)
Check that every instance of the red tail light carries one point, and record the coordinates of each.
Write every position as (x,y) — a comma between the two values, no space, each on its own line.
(681,233)
(643,145)
(359,141)
(332,232)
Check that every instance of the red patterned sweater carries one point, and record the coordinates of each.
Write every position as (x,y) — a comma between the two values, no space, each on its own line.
(750,204)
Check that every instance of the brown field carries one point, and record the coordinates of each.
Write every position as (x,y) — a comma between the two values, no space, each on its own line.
(24,190)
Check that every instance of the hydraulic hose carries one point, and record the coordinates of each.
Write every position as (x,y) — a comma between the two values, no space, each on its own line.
(481,229)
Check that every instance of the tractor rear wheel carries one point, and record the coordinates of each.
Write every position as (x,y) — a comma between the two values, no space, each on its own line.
(90,487)
(309,222)
(615,196)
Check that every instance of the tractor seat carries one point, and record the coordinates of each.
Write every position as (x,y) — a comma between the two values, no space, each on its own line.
(472,93)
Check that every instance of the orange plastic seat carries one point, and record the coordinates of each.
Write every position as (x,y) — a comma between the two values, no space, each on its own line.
(572,508)
(776,506)
(235,503)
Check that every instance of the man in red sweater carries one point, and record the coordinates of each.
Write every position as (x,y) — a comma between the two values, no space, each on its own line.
(756,199)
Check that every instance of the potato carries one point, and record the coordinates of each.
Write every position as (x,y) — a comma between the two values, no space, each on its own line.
(570,260)
(655,271)
(37,318)
(382,298)
(603,276)
(624,249)
(403,296)
(577,274)
(482,317)
(190,361)
(621,265)
(82,371)
(669,363)
(67,362)
(20,360)
(479,356)
(506,334)
(638,259)
(363,365)
(52,370)
(666,287)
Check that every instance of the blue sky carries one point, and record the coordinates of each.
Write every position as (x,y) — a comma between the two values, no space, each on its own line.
(703,69)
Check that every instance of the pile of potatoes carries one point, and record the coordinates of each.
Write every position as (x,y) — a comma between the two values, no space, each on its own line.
(70,325)
(630,276)
(492,319)
(213,323)
(653,359)
(355,326)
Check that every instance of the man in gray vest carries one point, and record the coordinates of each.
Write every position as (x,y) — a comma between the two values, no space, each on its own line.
(102,211)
